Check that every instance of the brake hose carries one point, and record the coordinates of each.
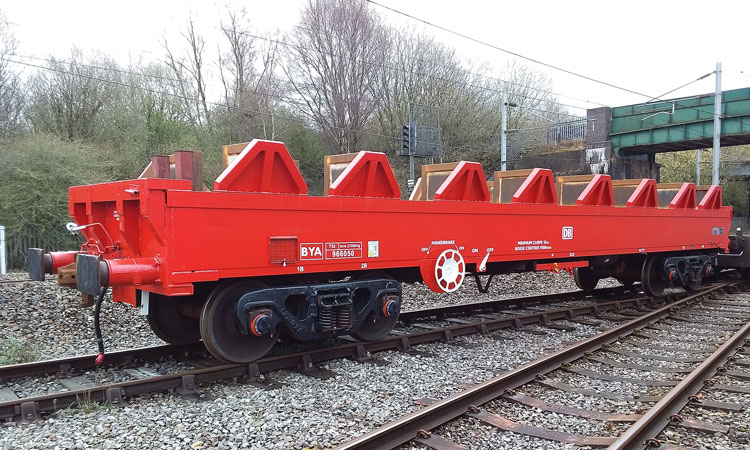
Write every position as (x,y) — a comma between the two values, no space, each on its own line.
(97,328)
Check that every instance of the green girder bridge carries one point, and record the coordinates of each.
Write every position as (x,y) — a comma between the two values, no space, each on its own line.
(680,124)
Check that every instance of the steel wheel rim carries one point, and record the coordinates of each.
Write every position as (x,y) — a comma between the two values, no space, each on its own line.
(585,279)
(168,324)
(652,279)
(220,334)
(375,328)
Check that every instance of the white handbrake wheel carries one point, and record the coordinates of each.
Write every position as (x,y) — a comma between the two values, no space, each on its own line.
(449,270)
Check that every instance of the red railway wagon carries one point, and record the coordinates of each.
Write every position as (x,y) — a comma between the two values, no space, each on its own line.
(257,257)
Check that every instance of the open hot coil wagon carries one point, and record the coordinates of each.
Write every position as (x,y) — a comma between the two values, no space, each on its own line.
(257,257)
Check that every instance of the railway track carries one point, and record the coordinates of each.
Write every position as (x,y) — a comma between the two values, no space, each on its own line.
(719,327)
(25,280)
(65,367)
(542,310)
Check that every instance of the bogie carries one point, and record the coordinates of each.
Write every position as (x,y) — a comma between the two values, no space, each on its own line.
(687,270)
(241,321)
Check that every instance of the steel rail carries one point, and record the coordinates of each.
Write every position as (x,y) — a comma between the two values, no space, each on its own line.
(28,408)
(66,366)
(27,280)
(407,428)
(449,310)
(643,433)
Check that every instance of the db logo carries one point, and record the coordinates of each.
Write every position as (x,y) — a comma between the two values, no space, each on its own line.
(310,252)
(567,233)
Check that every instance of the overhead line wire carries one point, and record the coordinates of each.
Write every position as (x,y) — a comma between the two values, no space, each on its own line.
(680,87)
(518,55)
(551,66)
(265,94)
(187,98)
(385,66)
(237,108)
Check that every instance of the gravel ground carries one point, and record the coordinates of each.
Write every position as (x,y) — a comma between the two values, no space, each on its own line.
(645,361)
(739,434)
(640,374)
(476,435)
(45,318)
(674,335)
(677,343)
(692,350)
(616,387)
(554,421)
(724,396)
(306,412)
(582,401)
(731,381)
(418,296)
(704,326)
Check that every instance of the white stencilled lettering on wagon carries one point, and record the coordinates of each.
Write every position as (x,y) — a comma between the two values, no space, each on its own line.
(343,250)
(311,251)
(532,245)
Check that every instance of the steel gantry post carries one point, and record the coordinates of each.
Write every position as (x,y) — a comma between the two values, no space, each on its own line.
(698,167)
(717,125)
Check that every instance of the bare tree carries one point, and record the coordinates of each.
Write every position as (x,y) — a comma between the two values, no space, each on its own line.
(536,107)
(237,64)
(189,74)
(68,98)
(468,97)
(247,71)
(11,95)
(418,70)
(330,68)
(270,93)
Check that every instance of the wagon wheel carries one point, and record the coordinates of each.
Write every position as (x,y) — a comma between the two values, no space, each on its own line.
(168,322)
(585,278)
(376,326)
(220,333)
(653,279)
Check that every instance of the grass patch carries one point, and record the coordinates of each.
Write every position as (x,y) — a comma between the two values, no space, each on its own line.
(84,404)
(16,351)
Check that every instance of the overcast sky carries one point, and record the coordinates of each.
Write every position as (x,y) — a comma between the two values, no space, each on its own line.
(646,46)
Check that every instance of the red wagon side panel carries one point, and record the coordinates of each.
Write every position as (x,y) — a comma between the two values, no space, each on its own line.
(184,236)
